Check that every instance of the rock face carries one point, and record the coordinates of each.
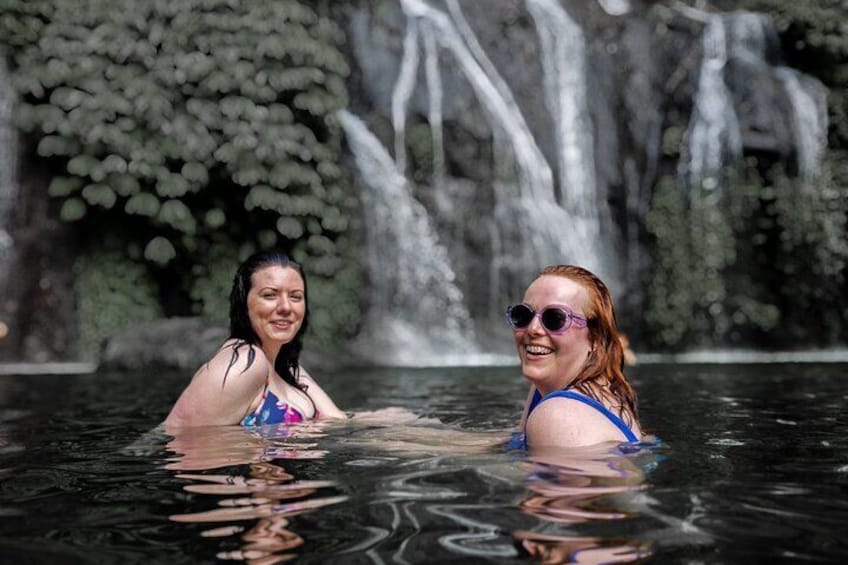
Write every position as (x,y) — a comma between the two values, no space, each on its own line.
(526,133)
(175,343)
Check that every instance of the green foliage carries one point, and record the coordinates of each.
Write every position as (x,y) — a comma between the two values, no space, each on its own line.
(334,303)
(764,262)
(212,282)
(672,141)
(712,252)
(671,298)
(813,220)
(789,237)
(696,297)
(187,127)
(113,293)
(420,141)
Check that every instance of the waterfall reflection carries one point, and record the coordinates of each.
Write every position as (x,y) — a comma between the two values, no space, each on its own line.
(266,492)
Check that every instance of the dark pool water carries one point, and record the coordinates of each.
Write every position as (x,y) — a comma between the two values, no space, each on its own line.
(752,467)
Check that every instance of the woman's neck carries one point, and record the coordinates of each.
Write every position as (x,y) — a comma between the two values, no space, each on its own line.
(271,350)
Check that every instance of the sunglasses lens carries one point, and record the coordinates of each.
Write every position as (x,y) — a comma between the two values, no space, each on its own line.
(520,316)
(554,319)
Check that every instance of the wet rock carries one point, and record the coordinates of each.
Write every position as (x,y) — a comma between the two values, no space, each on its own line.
(172,343)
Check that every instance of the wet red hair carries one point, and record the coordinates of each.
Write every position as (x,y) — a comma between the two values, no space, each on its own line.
(602,377)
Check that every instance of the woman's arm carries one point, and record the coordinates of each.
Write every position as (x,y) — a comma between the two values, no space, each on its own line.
(222,390)
(323,403)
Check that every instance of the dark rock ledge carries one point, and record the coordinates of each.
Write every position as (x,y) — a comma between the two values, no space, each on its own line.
(172,343)
(184,343)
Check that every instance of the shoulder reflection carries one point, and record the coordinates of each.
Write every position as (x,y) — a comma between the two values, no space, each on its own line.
(257,487)
(586,487)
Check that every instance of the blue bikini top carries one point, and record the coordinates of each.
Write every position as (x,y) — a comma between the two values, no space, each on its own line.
(520,439)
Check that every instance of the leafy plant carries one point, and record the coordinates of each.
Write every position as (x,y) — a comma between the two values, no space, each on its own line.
(188,128)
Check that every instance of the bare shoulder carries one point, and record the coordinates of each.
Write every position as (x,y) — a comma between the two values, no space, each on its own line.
(223,388)
(236,362)
(569,423)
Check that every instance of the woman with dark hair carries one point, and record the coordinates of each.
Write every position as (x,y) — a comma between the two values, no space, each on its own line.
(571,352)
(255,377)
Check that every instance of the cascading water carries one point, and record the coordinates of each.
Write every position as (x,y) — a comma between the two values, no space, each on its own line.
(530,226)
(615,7)
(403,91)
(434,113)
(528,246)
(713,136)
(533,227)
(806,95)
(809,118)
(416,313)
(563,51)
(8,172)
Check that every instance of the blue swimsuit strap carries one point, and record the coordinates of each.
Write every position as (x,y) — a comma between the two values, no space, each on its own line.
(619,423)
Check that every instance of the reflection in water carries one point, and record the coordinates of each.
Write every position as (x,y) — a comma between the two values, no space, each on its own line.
(458,493)
(420,489)
(566,487)
(550,549)
(267,493)
(588,486)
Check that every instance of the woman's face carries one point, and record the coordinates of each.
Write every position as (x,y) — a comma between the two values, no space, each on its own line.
(276,304)
(550,361)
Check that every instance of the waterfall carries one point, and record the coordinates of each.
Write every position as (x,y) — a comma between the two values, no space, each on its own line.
(806,95)
(535,174)
(8,171)
(416,312)
(712,135)
(541,231)
(410,271)
(809,118)
(748,36)
(615,7)
(404,86)
(434,114)
(563,53)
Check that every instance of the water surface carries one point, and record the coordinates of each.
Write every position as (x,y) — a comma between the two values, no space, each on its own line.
(752,467)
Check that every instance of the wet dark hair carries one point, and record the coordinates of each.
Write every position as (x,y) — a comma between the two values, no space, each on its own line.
(287,363)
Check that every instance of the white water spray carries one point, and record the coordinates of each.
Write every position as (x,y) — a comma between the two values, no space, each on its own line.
(713,135)
(417,313)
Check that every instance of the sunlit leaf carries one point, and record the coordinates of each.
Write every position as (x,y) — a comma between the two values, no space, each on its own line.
(99,194)
(72,210)
(82,165)
(215,218)
(142,204)
(64,186)
(177,215)
(290,227)
(160,250)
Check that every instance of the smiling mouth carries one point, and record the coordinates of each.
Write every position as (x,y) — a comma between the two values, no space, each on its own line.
(537,349)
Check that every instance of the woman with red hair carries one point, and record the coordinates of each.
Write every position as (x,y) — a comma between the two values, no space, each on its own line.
(571,352)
